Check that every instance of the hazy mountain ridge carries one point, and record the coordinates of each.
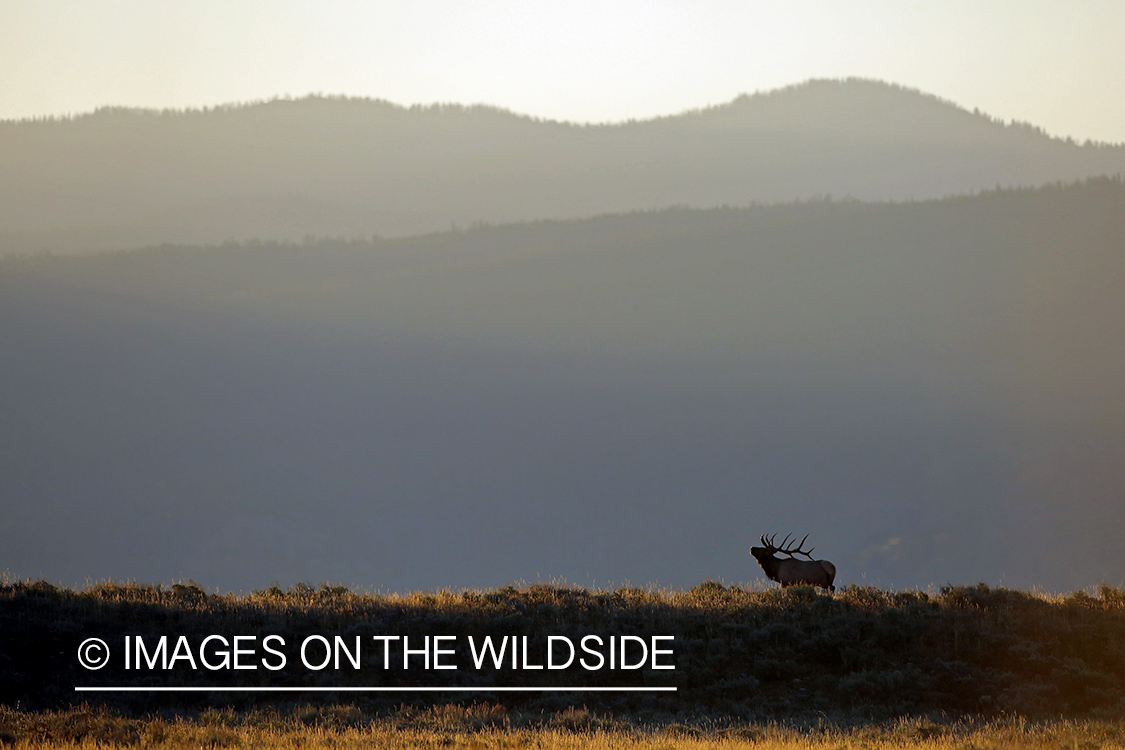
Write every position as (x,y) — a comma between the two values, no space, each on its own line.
(630,397)
(353,168)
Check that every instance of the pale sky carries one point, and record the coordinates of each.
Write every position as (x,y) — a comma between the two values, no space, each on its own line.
(1058,64)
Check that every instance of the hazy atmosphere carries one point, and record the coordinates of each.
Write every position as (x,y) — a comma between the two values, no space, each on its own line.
(1057,65)
(446,295)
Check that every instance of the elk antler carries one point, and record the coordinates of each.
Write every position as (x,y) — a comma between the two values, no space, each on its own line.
(785,548)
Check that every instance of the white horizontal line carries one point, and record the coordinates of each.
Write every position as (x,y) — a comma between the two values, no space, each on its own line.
(369,689)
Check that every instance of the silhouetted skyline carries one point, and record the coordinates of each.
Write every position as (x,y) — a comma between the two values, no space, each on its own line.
(1056,65)
(333,167)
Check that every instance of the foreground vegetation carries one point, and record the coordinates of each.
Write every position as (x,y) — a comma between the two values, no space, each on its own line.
(746,655)
(338,727)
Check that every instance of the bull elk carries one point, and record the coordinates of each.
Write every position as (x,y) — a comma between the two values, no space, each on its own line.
(789,571)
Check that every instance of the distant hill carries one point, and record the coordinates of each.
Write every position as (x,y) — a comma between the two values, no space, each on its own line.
(352,168)
(933,391)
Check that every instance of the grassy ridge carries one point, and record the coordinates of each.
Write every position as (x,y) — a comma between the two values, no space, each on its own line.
(863,654)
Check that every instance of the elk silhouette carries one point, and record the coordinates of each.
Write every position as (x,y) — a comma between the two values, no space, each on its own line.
(789,571)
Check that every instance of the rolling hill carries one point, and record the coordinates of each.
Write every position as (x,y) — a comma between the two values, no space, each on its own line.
(328,167)
(932,390)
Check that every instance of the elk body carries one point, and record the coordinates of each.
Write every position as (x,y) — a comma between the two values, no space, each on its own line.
(791,572)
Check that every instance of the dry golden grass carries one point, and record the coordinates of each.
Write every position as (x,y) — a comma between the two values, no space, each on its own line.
(344,727)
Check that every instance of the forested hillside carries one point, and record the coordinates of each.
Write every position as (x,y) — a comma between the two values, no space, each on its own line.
(932,390)
(285,169)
